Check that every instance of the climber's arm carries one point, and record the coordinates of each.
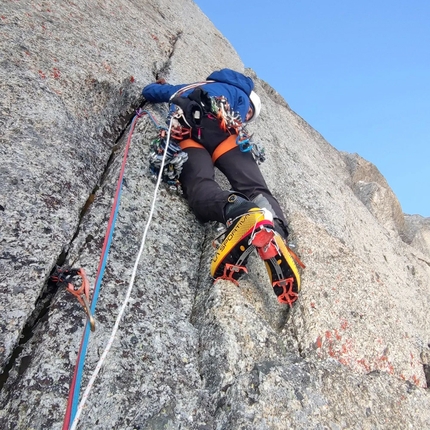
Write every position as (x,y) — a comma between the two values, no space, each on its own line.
(160,93)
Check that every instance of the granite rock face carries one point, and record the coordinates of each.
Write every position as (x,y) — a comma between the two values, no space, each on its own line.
(352,353)
(373,190)
(417,232)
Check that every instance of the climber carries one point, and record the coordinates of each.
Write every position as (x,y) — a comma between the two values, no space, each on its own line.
(214,113)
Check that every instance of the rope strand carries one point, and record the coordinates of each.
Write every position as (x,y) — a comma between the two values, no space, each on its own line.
(73,398)
(128,294)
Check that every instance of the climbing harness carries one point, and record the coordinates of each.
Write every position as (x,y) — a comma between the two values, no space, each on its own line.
(228,144)
(220,109)
(64,277)
(231,122)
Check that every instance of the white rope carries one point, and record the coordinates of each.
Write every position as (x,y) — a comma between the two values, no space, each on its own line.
(127,297)
(189,87)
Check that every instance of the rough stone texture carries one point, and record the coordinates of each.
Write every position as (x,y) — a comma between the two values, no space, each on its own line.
(417,232)
(373,190)
(353,353)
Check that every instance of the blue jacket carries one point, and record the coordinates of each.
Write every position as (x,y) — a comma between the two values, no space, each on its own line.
(233,85)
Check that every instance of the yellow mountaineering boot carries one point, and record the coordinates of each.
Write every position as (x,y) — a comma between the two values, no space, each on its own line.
(282,269)
(248,226)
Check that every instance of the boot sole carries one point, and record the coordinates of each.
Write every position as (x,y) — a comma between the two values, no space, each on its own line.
(282,270)
(236,252)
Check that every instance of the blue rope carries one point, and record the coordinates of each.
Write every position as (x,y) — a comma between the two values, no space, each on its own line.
(84,345)
(93,308)
(152,119)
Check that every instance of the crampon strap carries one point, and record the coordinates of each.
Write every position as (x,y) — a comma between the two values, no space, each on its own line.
(296,258)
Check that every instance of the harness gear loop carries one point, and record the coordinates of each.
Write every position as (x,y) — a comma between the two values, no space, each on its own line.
(175,158)
(63,277)
(296,258)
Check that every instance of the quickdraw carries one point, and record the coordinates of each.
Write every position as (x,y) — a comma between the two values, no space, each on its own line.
(228,119)
(179,131)
(175,157)
(174,161)
(64,277)
(231,121)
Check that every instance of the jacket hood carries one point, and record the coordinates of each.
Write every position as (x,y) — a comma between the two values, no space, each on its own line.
(231,77)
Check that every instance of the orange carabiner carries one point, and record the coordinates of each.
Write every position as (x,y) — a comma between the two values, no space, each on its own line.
(62,277)
(82,293)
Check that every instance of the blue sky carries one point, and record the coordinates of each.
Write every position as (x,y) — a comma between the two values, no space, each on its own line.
(357,72)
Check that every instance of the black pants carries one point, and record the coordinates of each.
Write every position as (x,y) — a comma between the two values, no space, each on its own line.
(206,198)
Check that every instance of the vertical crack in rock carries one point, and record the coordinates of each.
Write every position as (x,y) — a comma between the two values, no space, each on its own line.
(44,301)
(198,311)
(125,120)
(174,40)
(301,350)
(425,359)
(424,261)
(163,71)
(39,314)
(427,374)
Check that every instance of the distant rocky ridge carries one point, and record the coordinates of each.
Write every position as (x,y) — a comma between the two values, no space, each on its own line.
(353,353)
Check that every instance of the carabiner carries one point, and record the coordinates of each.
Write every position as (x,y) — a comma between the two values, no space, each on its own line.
(62,277)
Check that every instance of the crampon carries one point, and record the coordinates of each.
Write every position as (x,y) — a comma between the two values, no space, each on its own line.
(245,233)
(282,269)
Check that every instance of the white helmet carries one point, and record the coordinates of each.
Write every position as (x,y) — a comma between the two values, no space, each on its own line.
(256,105)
